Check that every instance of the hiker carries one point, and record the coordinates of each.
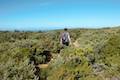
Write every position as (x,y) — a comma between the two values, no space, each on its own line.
(65,38)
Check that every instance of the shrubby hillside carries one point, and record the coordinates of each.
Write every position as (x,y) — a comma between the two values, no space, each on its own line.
(93,55)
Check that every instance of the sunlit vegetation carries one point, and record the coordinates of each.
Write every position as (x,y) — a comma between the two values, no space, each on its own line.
(93,55)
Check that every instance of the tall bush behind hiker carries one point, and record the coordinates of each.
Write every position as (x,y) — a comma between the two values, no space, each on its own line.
(65,38)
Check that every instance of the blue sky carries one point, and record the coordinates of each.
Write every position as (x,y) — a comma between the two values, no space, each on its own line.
(55,14)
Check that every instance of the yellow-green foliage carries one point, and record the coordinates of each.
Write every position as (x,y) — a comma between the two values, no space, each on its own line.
(95,48)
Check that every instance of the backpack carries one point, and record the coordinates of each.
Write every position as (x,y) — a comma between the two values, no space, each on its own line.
(65,36)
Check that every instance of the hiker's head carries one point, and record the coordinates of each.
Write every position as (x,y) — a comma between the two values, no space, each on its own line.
(65,29)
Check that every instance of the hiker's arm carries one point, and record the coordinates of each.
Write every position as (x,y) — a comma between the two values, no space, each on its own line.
(69,39)
(60,40)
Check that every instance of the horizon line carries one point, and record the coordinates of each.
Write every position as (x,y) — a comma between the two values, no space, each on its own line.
(37,30)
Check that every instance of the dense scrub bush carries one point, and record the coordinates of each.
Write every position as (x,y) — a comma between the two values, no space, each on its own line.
(14,65)
(91,49)
(111,53)
(96,49)
(12,36)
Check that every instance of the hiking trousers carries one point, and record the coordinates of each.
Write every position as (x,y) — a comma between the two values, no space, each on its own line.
(66,43)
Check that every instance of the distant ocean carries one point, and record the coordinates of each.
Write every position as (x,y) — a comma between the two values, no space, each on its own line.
(45,28)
